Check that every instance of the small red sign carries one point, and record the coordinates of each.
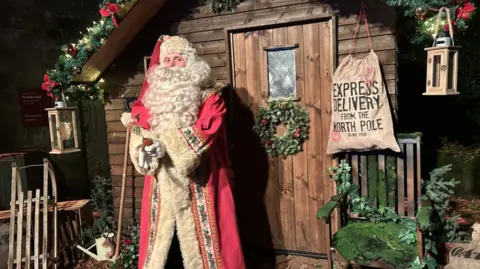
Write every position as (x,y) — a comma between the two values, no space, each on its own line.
(32,106)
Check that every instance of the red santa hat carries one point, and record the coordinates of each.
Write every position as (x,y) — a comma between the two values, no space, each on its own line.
(176,44)
(165,45)
(138,109)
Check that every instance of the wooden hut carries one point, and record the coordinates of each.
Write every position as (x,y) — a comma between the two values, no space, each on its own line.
(277,198)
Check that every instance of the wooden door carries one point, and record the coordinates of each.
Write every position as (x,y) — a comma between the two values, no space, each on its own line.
(296,186)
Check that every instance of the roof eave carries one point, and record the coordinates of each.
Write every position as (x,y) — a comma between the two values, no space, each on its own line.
(134,21)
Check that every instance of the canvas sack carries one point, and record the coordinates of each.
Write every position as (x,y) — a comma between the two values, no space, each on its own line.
(361,115)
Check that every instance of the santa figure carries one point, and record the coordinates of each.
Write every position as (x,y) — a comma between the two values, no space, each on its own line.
(187,192)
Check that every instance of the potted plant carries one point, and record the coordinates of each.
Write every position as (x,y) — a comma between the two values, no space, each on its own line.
(102,230)
(453,235)
(128,258)
(446,226)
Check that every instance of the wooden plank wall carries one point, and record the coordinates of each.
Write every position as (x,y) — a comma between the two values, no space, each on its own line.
(206,31)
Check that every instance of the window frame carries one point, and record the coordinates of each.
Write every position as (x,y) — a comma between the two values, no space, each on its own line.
(276,49)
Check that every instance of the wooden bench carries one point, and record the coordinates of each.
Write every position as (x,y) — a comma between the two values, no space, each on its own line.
(392,180)
(78,206)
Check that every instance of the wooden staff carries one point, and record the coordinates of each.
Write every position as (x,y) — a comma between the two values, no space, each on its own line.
(122,194)
(122,191)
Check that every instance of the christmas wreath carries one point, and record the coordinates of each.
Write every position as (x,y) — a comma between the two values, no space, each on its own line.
(279,112)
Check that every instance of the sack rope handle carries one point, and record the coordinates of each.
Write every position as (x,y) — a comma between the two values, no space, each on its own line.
(450,28)
(364,14)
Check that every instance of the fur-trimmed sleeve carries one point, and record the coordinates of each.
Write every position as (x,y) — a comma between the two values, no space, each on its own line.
(136,142)
(185,146)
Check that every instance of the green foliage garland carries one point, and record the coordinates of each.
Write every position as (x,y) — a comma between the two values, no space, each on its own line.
(58,80)
(282,112)
(461,12)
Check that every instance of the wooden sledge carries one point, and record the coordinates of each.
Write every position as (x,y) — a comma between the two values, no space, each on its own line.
(25,209)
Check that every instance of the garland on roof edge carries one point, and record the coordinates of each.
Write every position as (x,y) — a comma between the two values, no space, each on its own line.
(426,11)
(58,81)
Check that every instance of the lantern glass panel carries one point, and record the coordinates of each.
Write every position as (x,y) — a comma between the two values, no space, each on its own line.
(53,122)
(66,129)
(437,60)
(451,66)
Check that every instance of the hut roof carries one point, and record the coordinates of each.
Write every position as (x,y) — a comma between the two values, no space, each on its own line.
(134,21)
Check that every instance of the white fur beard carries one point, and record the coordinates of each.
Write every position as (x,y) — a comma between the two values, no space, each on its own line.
(173,97)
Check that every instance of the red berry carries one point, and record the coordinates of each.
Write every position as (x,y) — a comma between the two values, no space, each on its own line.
(268,143)
(264,122)
(147,142)
(465,16)
(72,50)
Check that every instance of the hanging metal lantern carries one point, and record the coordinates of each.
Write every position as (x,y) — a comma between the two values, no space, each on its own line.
(442,61)
(63,130)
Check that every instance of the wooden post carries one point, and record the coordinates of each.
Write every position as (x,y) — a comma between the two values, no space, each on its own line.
(50,125)
(45,214)
(37,230)
(13,208)
(57,131)
(19,230)
(53,180)
(28,230)
(74,127)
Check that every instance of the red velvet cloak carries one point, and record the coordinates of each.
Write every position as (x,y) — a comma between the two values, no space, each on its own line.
(198,154)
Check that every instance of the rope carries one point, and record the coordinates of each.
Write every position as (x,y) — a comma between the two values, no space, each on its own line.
(360,15)
(450,28)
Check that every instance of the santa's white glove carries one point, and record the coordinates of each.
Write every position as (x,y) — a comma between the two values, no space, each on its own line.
(145,161)
(155,150)
(127,119)
(148,155)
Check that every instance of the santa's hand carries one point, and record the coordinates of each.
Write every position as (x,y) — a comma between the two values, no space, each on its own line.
(146,161)
(127,119)
(155,150)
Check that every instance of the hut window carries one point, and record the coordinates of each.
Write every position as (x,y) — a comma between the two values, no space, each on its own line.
(282,73)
